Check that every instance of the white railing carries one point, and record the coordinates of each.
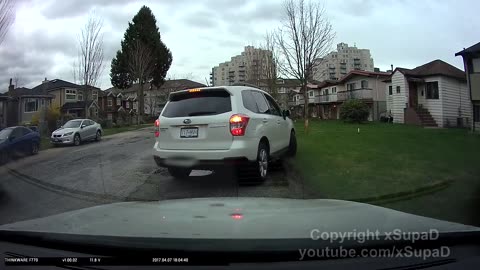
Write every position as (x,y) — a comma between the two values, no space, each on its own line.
(326,98)
(355,94)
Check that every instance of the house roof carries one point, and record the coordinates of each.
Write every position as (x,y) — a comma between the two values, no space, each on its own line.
(56,83)
(176,85)
(435,67)
(27,92)
(470,50)
(364,73)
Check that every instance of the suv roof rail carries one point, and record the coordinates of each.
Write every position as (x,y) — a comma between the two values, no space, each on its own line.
(244,84)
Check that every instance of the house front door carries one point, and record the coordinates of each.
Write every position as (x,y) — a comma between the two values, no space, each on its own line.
(412,95)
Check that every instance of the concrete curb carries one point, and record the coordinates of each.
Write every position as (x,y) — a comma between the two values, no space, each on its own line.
(299,188)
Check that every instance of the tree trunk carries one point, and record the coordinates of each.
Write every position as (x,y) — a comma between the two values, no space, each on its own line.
(305,108)
(141,101)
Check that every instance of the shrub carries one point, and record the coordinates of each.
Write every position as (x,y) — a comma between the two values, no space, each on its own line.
(354,111)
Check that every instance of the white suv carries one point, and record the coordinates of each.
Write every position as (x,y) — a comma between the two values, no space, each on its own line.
(208,128)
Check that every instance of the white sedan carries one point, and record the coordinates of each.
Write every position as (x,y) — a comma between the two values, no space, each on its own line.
(76,131)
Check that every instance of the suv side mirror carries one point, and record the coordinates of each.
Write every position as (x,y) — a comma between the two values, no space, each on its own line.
(83,126)
(11,138)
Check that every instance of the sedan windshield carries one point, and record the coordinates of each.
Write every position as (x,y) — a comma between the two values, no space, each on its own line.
(5,133)
(73,124)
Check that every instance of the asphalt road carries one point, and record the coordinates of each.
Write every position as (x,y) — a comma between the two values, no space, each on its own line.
(119,168)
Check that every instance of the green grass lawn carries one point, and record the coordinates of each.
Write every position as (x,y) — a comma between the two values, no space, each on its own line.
(339,163)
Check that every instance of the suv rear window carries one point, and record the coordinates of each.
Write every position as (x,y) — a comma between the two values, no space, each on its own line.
(198,103)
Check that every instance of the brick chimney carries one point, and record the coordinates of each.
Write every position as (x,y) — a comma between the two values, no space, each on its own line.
(45,81)
(11,86)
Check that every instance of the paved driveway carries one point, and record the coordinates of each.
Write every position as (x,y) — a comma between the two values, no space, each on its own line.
(119,168)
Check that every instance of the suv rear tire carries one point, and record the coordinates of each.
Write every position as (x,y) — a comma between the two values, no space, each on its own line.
(179,172)
(262,163)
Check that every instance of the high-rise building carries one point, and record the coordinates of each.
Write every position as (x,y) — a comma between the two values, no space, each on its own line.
(250,65)
(338,63)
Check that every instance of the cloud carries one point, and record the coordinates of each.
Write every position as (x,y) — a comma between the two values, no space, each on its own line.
(72,8)
(201,19)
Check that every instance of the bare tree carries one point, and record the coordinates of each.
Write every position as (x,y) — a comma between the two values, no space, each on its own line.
(7,16)
(305,36)
(269,61)
(17,80)
(89,64)
(141,65)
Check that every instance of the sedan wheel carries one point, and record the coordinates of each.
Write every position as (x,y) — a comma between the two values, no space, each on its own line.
(34,148)
(76,140)
(3,157)
(98,137)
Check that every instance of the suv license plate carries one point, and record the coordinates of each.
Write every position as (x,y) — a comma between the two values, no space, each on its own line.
(189,133)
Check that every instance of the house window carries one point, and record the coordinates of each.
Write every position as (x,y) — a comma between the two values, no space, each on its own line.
(31,105)
(135,105)
(80,96)
(334,90)
(70,94)
(432,90)
(398,89)
(476,65)
(350,86)
(390,90)
(364,84)
(109,116)
(119,101)
(127,105)
(310,93)
(94,94)
(110,102)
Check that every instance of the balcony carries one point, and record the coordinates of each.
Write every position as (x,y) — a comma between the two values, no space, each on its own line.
(363,94)
(296,103)
(326,98)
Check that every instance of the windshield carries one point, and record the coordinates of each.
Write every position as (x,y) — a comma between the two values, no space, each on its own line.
(73,124)
(5,133)
(198,103)
(249,119)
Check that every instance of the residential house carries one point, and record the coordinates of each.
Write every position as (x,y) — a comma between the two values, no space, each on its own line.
(326,98)
(367,86)
(112,103)
(284,89)
(71,98)
(21,104)
(471,60)
(433,94)
(4,98)
(113,100)
(154,98)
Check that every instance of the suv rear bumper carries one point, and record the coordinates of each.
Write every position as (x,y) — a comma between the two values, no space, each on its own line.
(239,152)
(204,164)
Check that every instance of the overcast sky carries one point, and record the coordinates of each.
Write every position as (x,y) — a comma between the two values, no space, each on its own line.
(202,33)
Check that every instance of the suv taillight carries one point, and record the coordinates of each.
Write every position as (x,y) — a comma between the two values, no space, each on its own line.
(157,130)
(238,124)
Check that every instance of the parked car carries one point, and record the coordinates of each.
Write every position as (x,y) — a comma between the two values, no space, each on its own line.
(77,131)
(209,127)
(18,141)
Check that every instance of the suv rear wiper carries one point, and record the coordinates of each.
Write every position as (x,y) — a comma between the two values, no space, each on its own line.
(200,113)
